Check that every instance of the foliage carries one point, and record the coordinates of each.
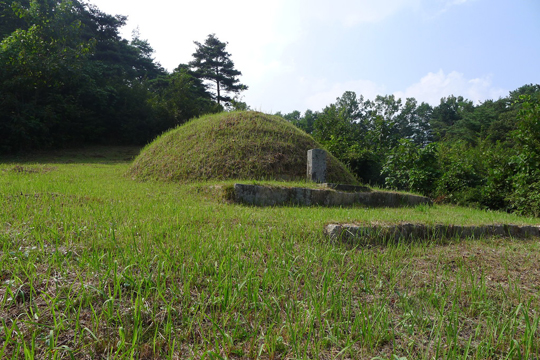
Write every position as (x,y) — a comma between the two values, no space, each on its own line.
(448,113)
(68,78)
(364,163)
(42,67)
(361,133)
(484,155)
(305,122)
(181,96)
(462,171)
(526,182)
(500,167)
(412,168)
(238,105)
(212,62)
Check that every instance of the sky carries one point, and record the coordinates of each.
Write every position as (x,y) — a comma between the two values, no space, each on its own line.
(303,54)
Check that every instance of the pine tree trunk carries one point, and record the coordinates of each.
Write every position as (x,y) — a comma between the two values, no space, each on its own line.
(218,96)
(217,83)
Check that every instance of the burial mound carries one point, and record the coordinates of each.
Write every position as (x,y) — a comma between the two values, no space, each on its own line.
(244,145)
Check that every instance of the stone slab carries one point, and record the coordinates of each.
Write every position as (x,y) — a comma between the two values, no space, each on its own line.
(353,233)
(347,188)
(316,165)
(272,196)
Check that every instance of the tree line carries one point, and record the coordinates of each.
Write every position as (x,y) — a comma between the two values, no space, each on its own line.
(67,77)
(486,155)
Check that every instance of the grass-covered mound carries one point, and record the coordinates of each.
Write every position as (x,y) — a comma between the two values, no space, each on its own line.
(237,145)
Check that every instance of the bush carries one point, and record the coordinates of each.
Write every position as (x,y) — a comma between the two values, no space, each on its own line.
(413,168)
(462,170)
(525,198)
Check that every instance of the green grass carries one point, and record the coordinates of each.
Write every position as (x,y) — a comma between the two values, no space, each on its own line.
(96,265)
(237,145)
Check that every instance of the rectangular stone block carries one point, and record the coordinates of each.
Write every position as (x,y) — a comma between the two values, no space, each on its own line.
(530,231)
(316,165)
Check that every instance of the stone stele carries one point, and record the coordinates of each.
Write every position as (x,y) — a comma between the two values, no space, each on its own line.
(316,165)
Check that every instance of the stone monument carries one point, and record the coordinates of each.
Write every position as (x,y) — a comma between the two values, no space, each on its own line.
(316,165)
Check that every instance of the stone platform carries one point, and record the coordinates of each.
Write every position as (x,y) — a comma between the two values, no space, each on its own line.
(275,196)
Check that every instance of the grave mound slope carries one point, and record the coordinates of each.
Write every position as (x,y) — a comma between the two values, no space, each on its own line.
(244,145)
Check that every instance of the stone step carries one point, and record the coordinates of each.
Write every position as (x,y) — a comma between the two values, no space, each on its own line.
(353,233)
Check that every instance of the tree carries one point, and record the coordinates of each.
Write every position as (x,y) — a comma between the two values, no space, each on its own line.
(448,113)
(412,167)
(212,62)
(40,70)
(67,77)
(526,182)
(9,19)
(181,96)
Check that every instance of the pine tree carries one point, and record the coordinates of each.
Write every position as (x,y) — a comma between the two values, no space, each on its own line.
(212,62)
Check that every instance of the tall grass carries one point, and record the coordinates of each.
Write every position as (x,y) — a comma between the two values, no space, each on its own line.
(96,265)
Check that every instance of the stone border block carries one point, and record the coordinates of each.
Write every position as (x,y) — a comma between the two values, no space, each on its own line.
(276,196)
(351,233)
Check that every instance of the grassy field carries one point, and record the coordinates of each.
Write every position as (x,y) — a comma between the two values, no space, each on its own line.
(95,265)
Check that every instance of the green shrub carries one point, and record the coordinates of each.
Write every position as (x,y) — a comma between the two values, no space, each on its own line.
(525,198)
(413,168)
(461,167)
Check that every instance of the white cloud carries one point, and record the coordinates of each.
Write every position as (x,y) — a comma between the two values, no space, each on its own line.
(432,87)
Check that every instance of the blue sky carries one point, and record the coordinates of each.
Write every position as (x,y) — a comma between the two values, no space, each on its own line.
(302,54)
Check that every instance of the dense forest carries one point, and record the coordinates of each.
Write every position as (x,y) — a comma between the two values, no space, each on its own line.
(68,78)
